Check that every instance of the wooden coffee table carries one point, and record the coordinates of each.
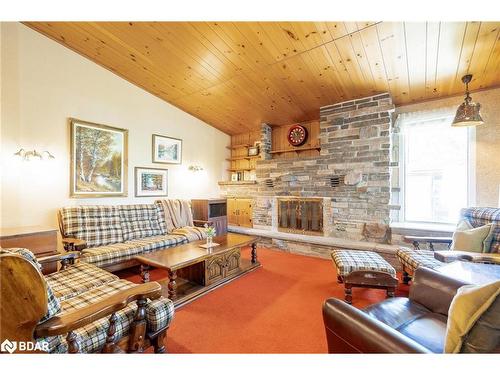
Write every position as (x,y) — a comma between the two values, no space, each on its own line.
(193,270)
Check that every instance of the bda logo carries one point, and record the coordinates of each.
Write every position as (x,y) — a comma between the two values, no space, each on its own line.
(8,346)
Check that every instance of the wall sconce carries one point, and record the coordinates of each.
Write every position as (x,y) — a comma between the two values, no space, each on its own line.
(195,168)
(34,154)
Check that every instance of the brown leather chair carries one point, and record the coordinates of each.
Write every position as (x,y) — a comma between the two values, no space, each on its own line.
(396,325)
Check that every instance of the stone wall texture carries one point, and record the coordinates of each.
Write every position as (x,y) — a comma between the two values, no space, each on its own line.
(355,139)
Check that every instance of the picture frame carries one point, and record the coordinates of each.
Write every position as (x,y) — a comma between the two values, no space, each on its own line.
(166,150)
(151,182)
(98,160)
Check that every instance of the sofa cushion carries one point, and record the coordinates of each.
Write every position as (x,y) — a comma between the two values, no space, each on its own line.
(428,330)
(140,220)
(149,244)
(92,337)
(412,259)
(396,312)
(478,216)
(468,306)
(53,303)
(468,238)
(97,225)
(76,279)
(105,255)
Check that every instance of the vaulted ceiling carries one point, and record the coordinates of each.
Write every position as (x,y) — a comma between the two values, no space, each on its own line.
(236,75)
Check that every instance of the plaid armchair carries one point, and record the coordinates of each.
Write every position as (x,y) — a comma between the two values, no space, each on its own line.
(411,259)
(80,309)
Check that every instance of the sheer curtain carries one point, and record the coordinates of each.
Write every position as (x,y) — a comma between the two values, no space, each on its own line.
(434,166)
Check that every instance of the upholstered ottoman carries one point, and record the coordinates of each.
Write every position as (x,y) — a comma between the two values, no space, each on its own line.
(363,269)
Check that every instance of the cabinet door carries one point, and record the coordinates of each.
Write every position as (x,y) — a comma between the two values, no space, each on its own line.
(214,269)
(245,212)
(232,211)
(232,262)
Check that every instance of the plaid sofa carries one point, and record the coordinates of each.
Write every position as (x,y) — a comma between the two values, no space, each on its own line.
(83,284)
(412,259)
(115,234)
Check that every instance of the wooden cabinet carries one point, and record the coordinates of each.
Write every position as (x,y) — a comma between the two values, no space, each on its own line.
(212,212)
(221,266)
(41,241)
(239,212)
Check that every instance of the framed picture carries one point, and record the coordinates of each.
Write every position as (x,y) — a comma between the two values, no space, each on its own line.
(151,182)
(98,160)
(167,150)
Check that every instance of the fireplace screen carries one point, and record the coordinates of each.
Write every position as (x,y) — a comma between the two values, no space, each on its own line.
(300,215)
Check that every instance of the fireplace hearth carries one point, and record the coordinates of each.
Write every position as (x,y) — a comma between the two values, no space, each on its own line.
(300,215)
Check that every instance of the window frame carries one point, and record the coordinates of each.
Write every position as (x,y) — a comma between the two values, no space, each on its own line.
(471,177)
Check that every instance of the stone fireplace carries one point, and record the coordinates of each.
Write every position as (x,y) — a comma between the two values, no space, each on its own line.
(300,215)
(351,176)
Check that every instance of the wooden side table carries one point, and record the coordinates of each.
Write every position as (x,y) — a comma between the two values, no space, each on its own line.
(40,240)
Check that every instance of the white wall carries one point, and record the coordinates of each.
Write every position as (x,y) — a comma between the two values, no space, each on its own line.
(44,83)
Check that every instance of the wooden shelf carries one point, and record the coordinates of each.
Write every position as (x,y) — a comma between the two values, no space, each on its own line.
(243,158)
(295,150)
(250,182)
(240,169)
(239,146)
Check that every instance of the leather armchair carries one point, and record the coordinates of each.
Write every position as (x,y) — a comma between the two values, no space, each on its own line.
(397,325)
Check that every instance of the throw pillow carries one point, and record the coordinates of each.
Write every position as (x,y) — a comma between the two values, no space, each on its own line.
(467,308)
(468,238)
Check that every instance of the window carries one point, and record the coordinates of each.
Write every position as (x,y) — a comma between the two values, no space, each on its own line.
(434,166)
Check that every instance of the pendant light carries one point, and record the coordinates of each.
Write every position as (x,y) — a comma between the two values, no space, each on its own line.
(468,112)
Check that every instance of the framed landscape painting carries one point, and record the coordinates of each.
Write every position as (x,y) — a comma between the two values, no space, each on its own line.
(98,160)
(151,182)
(167,150)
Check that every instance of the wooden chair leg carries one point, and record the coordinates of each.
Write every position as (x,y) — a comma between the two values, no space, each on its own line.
(73,346)
(348,293)
(159,341)
(138,328)
(390,292)
(340,280)
(110,346)
(406,277)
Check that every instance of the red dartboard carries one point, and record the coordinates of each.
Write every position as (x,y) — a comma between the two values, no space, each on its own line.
(297,135)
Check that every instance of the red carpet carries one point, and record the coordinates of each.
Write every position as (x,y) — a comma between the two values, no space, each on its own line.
(274,309)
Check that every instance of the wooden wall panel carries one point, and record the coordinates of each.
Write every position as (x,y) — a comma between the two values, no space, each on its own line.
(237,75)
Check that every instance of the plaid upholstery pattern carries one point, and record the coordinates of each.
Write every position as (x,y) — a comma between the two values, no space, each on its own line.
(479,216)
(97,225)
(161,217)
(191,233)
(347,261)
(149,244)
(104,255)
(92,337)
(139,220)
(76,279)
(53,303)
(412,259)
(159,313)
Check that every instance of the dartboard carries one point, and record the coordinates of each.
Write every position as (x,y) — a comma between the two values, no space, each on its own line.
(297,135)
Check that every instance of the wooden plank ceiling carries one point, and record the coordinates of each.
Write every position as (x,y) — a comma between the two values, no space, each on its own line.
(236,75)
